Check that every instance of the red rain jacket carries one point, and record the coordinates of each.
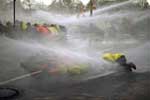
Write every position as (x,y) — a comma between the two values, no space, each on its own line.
(43,29)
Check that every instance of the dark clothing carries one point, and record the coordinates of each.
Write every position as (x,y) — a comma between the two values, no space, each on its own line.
(127,66)
(122,60)
(2,29)
(63,28)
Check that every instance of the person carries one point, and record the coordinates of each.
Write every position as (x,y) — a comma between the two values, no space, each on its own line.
(74,69)
(23,26)
(94,4)
(17,27)
(143,3)
(2,28)
(29,30)
(42,29)
(29,27)
(16,31)
(53,29)
(120,59)
(82,9)
(9,27)
(62,28)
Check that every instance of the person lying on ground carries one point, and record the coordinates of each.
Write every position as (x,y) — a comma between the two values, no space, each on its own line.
(119,59)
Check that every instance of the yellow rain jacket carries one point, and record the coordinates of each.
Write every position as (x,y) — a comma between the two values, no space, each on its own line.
(53,29)
(74,69)
(57,27)
(24,26)
(112,57)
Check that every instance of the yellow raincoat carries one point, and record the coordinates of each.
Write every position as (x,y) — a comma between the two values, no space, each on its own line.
(24,26)
(53,29)
(74,69)
(112,57)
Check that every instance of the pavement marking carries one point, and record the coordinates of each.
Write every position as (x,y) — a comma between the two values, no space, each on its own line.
(96,76)
(20,77)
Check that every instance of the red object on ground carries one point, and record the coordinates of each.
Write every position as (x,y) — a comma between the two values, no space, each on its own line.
(43,29)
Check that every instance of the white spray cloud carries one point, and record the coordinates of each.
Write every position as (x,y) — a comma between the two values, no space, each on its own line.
(148,2)
(85,2)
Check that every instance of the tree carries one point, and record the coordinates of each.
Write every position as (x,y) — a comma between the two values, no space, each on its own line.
(27,4)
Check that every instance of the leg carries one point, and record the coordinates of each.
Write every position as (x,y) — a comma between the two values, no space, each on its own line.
(132,65)
(127,67)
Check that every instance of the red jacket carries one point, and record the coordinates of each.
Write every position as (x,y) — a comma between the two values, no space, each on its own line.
(43,29)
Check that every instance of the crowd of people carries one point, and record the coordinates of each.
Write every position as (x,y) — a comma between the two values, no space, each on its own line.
(22,28)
